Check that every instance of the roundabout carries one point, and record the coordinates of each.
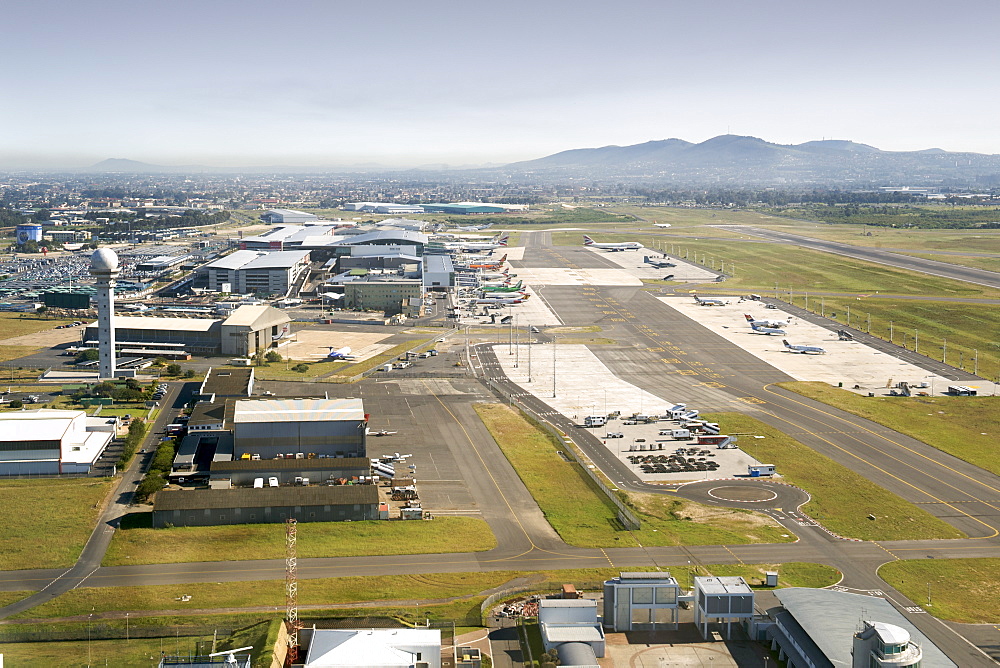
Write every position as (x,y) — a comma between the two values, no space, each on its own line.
(755,494)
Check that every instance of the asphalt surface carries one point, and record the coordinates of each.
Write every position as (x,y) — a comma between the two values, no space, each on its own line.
(664,353)
(880,256)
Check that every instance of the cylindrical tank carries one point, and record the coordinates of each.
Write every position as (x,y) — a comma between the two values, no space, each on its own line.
(28,232)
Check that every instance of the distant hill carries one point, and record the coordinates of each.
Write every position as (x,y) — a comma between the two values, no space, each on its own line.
(126,166)
(737,160)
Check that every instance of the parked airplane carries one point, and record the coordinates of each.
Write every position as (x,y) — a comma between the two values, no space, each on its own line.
(339,353)
(499,241)
(766,323)
(762,329)
(806,350)
(659,264)
(475,228)
(613,247)
(502,288)
(503,300)
(708,301)
(492,266)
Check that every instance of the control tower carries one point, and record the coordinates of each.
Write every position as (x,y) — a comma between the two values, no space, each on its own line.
(104,267)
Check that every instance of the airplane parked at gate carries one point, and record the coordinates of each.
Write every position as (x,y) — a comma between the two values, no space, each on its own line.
(708,301)
(766,323)
(499,241)
(805,350)
(613,247)
(492,266)
(503,300)
(502,288)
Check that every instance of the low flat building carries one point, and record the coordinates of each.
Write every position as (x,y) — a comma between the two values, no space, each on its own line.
(374,648)
(571,622)
(249,271)
(51,442)
(286,216)
(227,382)
(214,507)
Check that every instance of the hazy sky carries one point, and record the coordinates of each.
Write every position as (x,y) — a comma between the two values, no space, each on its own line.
(246,82)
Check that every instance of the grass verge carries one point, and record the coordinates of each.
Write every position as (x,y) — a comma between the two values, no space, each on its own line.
(583,516)
(841,499)
(19,324)
(960,590)
(62,515)
(133,546)
(81,653)
(961,426)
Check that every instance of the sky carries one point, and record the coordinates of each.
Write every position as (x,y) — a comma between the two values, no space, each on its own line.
(333,83)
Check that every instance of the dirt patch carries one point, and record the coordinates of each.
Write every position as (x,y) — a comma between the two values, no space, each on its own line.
(46,339)
(657,506)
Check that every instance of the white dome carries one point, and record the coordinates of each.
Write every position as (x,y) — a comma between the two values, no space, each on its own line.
(103,260)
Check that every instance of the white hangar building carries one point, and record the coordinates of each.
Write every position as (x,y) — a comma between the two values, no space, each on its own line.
(50,442)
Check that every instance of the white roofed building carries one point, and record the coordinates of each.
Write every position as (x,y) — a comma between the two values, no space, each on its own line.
(249,271)
(288,216)
(374,648)
(51,442)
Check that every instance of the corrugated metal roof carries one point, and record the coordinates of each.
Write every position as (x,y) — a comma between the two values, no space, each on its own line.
(298,410)
(319,495)
(233,260)
(276,260)
(166,324)
(723,585)
(387,235)
(256,316)
(325,463)
(42,424)
(228,382)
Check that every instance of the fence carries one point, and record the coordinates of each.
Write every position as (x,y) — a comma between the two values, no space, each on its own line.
(107,630)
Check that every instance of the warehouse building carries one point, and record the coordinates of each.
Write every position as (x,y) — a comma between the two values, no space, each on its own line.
(385,648)
(52,442)
(247,330)
(438,272)
(287,237)
(266,428)
(212,507)
(278,216)
(383,207)
(248,271)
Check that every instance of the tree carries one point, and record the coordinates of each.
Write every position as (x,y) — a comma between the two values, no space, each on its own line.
(132,384)
(42,215)
(29,246)
(189,373)
(173,369)
(88,355)
(16,403)
(272,356)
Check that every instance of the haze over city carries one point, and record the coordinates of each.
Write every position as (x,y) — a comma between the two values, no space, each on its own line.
(403,84)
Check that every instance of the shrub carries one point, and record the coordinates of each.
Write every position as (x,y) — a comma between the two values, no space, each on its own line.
(301,368)
(173,370)
(272,356)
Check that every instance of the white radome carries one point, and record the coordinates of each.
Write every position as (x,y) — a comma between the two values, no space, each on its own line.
(103,260)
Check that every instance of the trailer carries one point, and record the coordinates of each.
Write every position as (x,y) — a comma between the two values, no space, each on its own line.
(676,434)
(595,421)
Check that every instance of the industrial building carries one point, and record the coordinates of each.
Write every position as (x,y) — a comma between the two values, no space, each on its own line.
(389,293)
(242,472)
(641,602)
(267,428)
(253,272)
(287,237)
(827,628)
(385,648)
(383,207)
(439,272)
(52,442)
(211,507)
(570,627)
(247,330)
(287,216)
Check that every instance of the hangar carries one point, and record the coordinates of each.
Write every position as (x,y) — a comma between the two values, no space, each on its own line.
(247,330)
(271,427)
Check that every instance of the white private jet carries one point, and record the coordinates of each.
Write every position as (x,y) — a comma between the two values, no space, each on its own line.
(805,350)
(613,247)
(708,301)
(762,329)
(661,224)
(339,353)
(766,323)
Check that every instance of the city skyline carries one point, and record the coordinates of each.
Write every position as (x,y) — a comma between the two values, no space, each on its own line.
(317,84)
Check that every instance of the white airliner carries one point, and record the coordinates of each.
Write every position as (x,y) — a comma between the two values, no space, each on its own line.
(499,241)
(762,329)
(623,246)
(708,301)
(503,300)
(662,224)
(766,323)
(805,350)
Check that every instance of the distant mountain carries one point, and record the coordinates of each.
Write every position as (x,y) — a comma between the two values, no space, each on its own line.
(736,160)
(126,166)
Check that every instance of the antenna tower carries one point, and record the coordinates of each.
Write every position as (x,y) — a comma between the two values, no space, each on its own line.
(292,590)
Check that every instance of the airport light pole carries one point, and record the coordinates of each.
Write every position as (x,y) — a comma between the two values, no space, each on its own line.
(916,341)
(944,350)
(554,341)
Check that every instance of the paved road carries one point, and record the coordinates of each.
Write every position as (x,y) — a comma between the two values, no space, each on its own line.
(879,256)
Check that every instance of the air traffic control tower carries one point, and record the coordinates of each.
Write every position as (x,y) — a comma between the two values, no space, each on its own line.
(104,267)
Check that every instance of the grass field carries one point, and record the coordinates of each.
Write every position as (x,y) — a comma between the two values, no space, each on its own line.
(8,353)
(965,427)
(19,324)
(841,499)
(134,546)
(81,653)
(385,588)
(62,515)
(961,590)
(587,519)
